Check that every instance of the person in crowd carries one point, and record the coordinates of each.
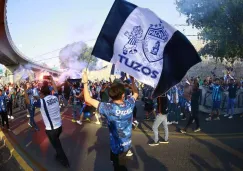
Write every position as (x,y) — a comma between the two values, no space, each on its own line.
(50,111)
(3,109)
(30,106)
(216,97)
(232,90)
(76,102)
(174,106)
(104,96)
(194,108)
(187,96)
(119,115)
(161,118)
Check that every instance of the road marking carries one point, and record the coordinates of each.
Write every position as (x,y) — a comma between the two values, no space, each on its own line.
(15,154)
(28,144)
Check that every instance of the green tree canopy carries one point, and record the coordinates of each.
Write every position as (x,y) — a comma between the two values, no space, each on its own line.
(220,23)
(77,49)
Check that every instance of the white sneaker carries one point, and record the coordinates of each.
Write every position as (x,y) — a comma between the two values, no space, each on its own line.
(181,114)
(129,153)
(193,120)
(197,130)
(230,117)
(79,122)
(217,119)
(97,123)
(226,115)
(174,122)
(169,123)
(8,117)
(11,117)
(28,116)
(208,119)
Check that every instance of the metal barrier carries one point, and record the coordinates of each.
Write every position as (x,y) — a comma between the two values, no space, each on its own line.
(206,101)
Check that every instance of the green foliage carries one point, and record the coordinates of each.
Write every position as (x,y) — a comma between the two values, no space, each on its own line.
(86,56)
(220,23)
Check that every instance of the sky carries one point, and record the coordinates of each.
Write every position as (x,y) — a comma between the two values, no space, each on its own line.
(41,28)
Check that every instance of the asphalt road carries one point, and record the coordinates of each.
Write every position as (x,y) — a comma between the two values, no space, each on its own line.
(218,147)
(7,162)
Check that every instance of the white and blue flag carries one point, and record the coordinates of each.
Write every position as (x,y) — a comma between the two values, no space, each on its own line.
(141,44)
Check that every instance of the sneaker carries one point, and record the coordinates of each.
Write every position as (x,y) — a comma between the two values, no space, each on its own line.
(169,123)
(181,114)
(230,117)
(136,122)
(79,122)
(197,130)
(163,142)
(183,131)
(9,129)
(8,117)
(97,123)
(129,153)
(174,122)
(28,116)
(73,120)
(153,144)
(193,120)
(226,115)
(183,119)
(208,119)
(12,117)
(87,119)
(30,125)
(217,119)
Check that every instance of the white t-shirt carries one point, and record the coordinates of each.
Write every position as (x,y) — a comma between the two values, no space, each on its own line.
(50,112)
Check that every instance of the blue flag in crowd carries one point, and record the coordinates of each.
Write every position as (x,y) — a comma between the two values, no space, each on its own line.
(141,44)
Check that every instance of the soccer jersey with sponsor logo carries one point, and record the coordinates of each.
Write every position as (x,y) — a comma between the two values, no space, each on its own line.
(119,119)
(50,111)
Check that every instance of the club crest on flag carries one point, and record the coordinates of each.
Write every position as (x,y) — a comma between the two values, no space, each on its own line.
(154,40)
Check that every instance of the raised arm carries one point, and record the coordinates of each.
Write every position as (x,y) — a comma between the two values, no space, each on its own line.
(54,85)
(87,98)
(134,88)
(26,94)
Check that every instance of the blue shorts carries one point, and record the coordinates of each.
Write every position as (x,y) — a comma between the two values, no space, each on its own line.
(216,105)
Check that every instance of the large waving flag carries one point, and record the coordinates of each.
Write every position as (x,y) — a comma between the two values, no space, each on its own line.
(141,44)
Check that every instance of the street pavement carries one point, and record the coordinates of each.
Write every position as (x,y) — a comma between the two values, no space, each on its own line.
(217,147)
(7,161)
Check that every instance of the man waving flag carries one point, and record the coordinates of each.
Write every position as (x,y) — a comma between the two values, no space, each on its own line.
(141,44)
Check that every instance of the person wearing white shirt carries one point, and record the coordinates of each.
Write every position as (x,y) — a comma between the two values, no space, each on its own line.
(50,111)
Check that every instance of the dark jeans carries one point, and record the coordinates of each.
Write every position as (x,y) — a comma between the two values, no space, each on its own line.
(134,113)
(53,136)
(31,110)
(4,117)
(10,108)
(119,161)
(194,115)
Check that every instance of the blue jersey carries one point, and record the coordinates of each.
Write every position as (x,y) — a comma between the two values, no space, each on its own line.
(3,100)
(217,91)
(76,91)
(119,119)
(30,93)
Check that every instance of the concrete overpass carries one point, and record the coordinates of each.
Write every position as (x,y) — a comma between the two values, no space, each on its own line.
(10,56)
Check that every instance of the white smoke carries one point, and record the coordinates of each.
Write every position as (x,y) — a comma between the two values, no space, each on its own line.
(69,58)
(22,73)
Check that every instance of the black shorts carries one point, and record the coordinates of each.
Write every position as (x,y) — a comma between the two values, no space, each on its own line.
(90,109)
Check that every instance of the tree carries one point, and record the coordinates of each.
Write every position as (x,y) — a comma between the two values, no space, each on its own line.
(79,51)
(220,23)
